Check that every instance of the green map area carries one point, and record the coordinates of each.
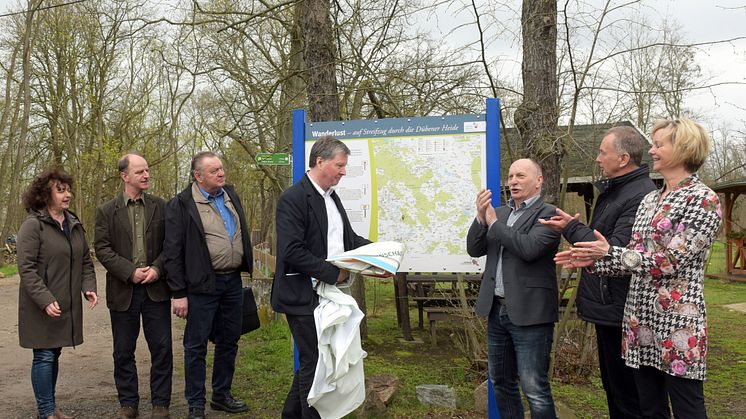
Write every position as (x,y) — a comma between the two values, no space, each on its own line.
(425,189)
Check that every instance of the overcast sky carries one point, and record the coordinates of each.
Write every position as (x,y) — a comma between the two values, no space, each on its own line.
(701,21)
(709,21)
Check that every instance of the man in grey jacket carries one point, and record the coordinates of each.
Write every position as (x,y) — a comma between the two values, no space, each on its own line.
(518,293)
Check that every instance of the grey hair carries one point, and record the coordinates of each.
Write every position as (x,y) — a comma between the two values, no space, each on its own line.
(536,165)
(326,148)
(198,159)
(124,163)
(628,140)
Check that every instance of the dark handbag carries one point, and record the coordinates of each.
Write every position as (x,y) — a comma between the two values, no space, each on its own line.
(250,318)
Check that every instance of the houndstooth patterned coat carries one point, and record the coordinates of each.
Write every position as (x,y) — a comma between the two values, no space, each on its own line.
(665,323)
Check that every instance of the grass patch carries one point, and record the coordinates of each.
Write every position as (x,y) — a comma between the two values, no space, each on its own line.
(9,270)
(264,368)
(726,360)
(586,401)
(716,261)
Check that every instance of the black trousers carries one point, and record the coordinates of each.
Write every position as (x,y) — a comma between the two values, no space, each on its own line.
(303,329)
(125,327)
(655,387)
(617,378)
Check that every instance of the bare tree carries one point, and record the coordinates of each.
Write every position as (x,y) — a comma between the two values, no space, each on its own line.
(20,152)
(536,116)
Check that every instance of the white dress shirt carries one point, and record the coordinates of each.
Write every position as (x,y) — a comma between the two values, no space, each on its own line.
(335,227)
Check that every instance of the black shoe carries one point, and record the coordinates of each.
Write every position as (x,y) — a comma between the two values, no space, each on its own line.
(196,413)
(229,405)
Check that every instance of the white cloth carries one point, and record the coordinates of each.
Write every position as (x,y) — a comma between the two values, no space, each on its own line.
(339,383)
(375,259)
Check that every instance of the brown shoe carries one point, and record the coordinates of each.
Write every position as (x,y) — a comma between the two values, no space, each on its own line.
(59,415)
(127,412)
(160,412)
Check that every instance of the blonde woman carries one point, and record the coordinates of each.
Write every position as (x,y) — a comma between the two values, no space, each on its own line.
(665,322)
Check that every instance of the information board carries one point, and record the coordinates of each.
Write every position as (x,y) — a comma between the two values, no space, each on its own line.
(413,180)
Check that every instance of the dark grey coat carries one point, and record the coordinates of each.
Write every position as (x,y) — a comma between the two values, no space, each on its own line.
(601,298)
(52,268)
(186,257)
(302,248)
(528,268)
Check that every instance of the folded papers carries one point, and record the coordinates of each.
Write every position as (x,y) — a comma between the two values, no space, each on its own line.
(379,259)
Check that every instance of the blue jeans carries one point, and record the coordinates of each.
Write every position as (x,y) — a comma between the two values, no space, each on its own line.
(216,316)
(519,354)
(44,370)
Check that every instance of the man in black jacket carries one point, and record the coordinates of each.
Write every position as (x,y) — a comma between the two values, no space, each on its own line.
(601,299)
(207,247)
(311,225)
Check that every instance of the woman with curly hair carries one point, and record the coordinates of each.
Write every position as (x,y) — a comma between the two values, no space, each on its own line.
(665,323)
(56,273)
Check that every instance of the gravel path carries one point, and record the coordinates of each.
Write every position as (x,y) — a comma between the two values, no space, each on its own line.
(85,388)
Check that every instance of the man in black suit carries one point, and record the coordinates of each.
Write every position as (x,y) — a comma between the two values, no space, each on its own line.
(129,243)
(518,292)
(311,226)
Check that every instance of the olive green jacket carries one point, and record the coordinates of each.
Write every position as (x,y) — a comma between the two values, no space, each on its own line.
(53,268)
(113,244)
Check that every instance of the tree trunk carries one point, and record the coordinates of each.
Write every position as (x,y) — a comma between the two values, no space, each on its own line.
(319,54)
(291,97)
(12,208)
(321,76)
(9,108)
(536,117)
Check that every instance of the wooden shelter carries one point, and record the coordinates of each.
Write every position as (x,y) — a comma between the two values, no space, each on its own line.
(735,255)
(579,162)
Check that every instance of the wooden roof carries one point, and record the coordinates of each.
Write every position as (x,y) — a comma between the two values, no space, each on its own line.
(731,186)
(581,154)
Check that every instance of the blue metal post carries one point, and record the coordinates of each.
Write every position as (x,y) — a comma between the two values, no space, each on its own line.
(299,168)
(493,184)
(493,150)
(299,144)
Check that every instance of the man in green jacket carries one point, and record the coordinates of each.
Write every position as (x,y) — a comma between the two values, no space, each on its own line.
(129,242)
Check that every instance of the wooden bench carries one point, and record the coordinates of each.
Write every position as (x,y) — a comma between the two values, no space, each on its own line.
(409,285)
(424,291)
(438,301)
(439,313)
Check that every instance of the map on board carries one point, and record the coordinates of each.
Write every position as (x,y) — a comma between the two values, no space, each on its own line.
(413,181)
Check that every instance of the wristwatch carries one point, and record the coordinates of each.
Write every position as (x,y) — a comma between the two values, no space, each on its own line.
(631,260)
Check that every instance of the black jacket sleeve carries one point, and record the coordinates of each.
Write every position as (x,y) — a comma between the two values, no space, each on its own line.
(173,248)
(293,243)
(619,235)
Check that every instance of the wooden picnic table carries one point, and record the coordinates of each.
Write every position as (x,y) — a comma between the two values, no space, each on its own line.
(428,290)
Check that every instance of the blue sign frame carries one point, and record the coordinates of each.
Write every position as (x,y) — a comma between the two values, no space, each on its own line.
(492,147)
(492,155)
